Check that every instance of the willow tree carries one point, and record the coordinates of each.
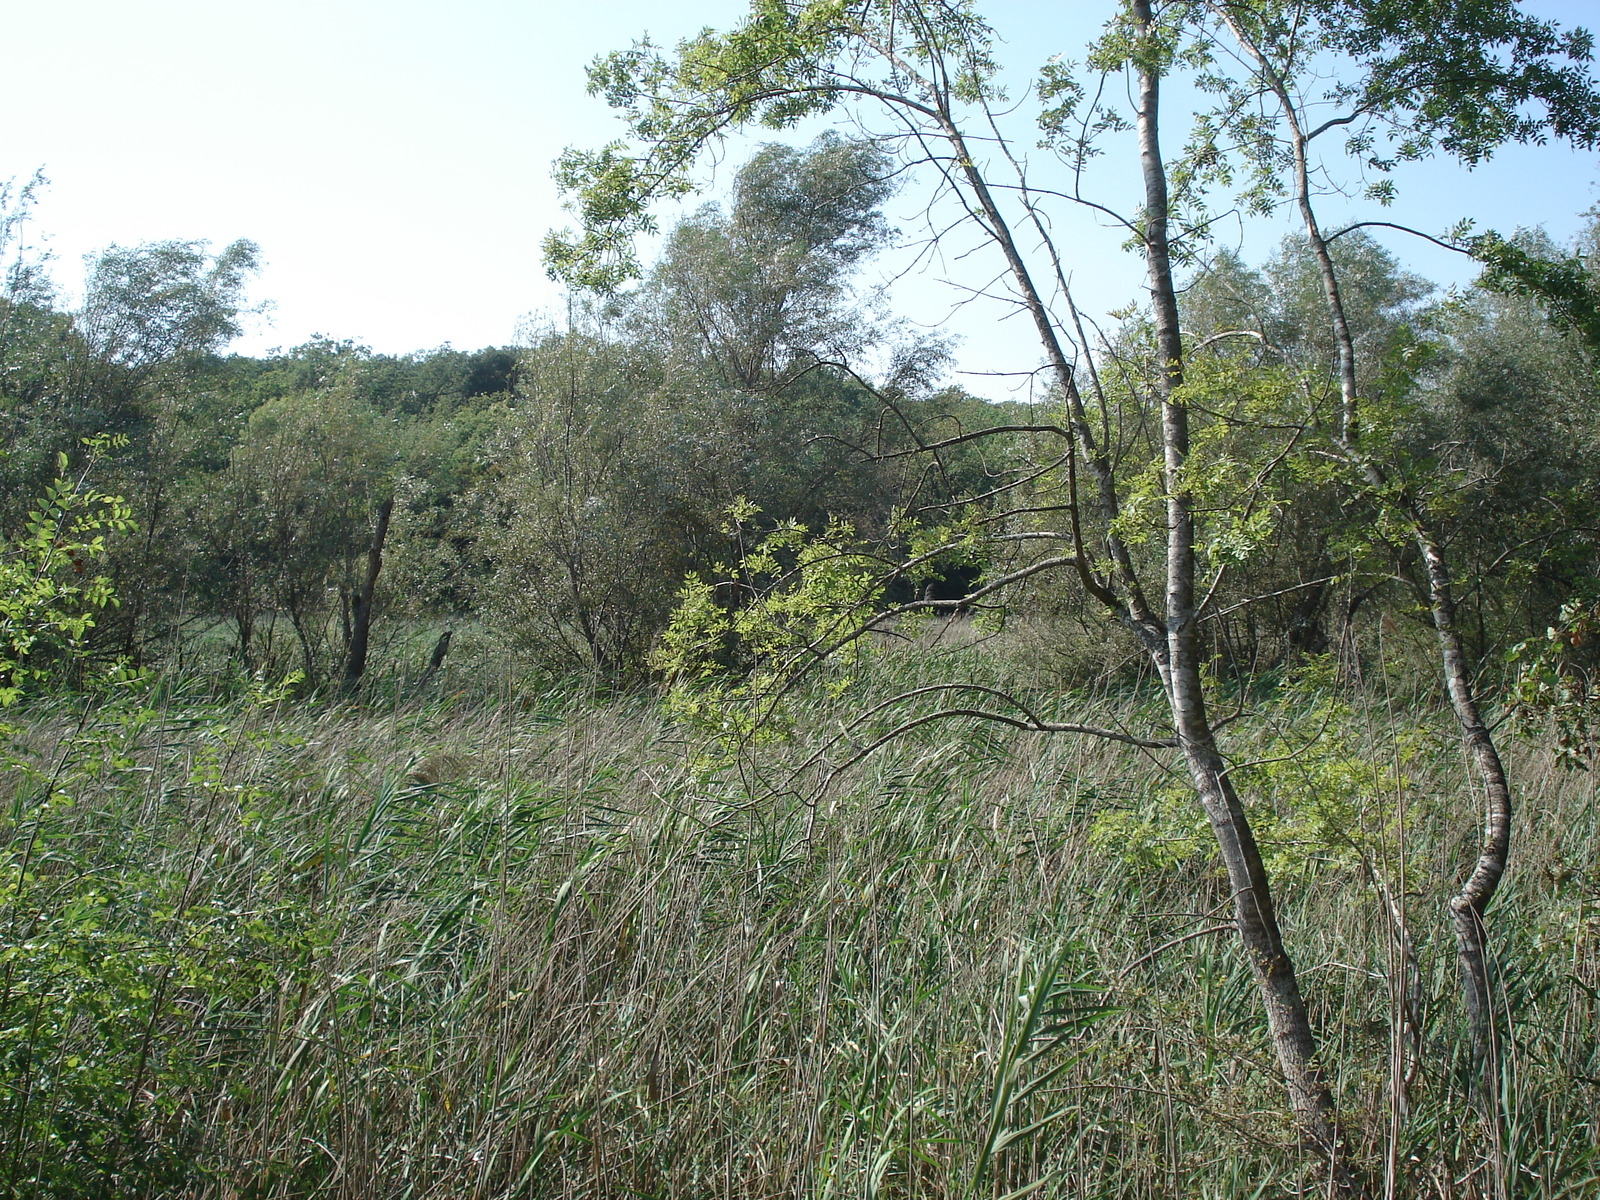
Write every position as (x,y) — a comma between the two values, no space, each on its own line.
(756,293)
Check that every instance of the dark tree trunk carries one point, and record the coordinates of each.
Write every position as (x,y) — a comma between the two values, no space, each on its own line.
(1307,631)
(244,617)
(355,663)
(440,649)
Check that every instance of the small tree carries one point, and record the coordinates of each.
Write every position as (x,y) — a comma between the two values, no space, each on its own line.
(48,593)
(290,522)
(759,292)
(590,513)
(929,70)
(1461,79)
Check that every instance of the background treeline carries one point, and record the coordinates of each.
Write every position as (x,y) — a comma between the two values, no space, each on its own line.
(549,500)
(552,496)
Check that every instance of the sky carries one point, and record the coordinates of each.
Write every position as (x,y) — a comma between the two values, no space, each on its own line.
(392,159)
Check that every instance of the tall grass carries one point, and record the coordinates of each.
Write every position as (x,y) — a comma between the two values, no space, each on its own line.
(248,954)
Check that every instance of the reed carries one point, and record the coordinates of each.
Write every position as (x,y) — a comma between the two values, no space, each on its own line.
(254,950)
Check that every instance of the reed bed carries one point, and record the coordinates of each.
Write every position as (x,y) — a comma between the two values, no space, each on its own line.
(553,947)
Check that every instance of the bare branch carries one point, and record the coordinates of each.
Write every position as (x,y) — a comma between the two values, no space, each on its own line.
(1177,941)
(1427,237)
(1029,722)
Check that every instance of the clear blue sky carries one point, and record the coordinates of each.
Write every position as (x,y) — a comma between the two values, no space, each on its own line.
(393,159)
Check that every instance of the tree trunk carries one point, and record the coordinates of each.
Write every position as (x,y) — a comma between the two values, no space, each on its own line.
(1171,639)
(1468,905)
(355,663)
(1307,631)
(244,617)
(440,649)
(1287,1020)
